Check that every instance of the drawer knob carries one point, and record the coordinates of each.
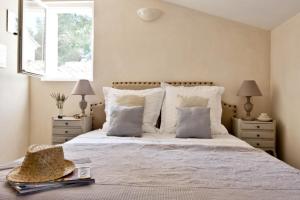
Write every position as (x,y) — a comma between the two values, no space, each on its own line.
(257,126)
(257,144)
(66,140)
(66,123)
(258,135)
(66,131)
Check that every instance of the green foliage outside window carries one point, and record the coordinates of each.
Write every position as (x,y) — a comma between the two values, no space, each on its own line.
(74,38)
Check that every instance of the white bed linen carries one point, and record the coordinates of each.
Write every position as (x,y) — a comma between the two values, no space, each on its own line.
(169,112)
(163,167)
(153,102)
(163,160)
(98,136)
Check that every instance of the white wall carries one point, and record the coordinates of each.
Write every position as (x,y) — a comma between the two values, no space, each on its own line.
(14,95)
(285,79)
(183,45)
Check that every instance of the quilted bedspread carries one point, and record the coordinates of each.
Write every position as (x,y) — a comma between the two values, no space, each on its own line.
(132,171)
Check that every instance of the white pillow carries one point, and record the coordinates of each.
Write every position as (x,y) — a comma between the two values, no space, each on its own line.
(153,103)
(169,112)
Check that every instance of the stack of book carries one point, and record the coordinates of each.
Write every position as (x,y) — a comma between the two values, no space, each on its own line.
(80,176)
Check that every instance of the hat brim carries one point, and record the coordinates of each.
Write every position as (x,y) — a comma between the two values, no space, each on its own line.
(15,176)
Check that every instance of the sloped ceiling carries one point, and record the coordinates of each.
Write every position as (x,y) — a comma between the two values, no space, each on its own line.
(266,14)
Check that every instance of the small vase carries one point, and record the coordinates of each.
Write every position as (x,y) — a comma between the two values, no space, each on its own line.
(60,106)
(60,113)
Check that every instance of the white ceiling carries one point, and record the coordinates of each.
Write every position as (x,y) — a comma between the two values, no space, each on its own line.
(266,14)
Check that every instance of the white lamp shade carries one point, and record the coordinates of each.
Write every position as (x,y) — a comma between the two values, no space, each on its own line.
(83,87)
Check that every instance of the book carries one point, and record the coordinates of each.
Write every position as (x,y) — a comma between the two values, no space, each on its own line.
(80,176)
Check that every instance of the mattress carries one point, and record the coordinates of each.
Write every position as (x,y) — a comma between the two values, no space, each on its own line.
(160,166)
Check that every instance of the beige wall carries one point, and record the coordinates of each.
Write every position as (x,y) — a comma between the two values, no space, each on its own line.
(285,79)
(182,45)
(14,96)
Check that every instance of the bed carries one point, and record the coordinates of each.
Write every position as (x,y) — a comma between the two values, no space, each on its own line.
(160,166)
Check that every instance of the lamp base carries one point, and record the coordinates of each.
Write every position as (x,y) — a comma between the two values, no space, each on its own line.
(248,118)
(83,105)
(248,108)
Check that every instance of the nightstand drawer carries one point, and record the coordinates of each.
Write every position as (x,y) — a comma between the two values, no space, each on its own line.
(67,131)
(60,139)
(261,143)
(258,134)
(67,123)
(255,126)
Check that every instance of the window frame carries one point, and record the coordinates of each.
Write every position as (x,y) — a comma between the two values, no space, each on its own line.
(20,68)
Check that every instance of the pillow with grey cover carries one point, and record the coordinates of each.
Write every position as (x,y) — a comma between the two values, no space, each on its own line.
(126,121)
(193,122)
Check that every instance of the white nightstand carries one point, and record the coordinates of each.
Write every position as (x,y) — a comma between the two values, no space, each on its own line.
(258,134)
(67,128)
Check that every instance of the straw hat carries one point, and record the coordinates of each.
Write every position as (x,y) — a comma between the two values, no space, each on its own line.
(42,163)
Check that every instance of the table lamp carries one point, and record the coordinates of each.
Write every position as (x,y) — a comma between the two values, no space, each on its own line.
(83,87)
(249,89)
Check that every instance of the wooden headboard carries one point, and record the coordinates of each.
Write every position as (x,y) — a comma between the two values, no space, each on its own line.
(98,114)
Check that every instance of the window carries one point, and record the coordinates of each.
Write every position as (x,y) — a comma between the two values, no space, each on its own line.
(68,37)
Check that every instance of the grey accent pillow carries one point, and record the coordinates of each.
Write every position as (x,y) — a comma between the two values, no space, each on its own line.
(193,122)
(126,121)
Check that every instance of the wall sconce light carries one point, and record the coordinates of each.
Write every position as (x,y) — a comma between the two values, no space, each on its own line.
(149,14)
